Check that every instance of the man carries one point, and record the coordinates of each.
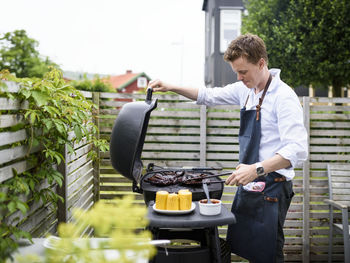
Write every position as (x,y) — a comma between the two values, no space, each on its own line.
(273,140)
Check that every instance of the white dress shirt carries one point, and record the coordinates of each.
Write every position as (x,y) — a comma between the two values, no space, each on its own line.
(282,127)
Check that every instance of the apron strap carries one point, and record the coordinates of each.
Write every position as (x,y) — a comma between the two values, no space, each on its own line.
(245,104)
(258,107)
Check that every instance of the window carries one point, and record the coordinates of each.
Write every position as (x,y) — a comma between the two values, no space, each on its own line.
(230,27)
(207,34)
(141,82)
(212,37)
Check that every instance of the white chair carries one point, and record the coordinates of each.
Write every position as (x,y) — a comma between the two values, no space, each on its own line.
(339,198)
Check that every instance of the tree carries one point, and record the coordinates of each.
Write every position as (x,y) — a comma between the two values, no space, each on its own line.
(95,85)
(309,40)
(19,55)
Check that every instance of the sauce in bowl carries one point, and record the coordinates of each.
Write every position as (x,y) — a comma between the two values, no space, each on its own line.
(210,209)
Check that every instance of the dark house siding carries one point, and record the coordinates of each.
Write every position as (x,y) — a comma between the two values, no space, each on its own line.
(321,92)
(302,91)
(217,72)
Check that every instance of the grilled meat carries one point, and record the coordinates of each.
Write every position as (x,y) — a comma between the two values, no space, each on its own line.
(172,178)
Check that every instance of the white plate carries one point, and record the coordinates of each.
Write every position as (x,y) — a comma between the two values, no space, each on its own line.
(174,212)
(110,254)
(51,242)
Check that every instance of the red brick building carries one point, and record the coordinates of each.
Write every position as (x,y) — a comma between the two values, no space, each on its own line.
(129,82)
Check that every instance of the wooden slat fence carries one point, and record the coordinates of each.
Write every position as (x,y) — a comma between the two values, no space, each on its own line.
(181,133)
(329,143)
(78,171)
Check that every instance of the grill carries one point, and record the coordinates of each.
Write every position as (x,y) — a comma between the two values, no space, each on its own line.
(127,140)
(215,185)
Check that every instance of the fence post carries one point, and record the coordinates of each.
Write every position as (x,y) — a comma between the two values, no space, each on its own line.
(63,190)
(306,186)
(203,136)
(96,163)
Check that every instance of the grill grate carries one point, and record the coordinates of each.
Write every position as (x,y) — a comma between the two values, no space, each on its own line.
(149,189)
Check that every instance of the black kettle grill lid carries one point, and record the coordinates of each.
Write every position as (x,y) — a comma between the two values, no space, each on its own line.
(128,136)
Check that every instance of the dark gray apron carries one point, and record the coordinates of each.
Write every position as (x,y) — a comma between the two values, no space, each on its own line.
(254,235)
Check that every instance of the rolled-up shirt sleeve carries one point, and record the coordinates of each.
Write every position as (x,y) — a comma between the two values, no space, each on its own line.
(293,135)
(229,94)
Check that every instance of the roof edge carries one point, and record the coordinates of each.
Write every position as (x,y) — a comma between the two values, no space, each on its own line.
(142,74)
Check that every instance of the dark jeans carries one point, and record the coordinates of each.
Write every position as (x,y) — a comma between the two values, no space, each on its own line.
(283,206)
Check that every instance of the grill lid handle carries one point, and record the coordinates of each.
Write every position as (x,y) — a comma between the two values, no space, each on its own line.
(149,95)
(136,188)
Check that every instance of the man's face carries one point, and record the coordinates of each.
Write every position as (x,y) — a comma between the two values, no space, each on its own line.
(250,74)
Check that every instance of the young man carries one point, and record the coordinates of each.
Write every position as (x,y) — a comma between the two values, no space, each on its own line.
(272,139)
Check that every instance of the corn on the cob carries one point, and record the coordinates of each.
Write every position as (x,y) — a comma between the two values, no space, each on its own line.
(185,198)
(161,199)
(172,202)
(183,190)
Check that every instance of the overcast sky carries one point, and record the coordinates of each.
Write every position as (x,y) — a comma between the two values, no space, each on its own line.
(163,38)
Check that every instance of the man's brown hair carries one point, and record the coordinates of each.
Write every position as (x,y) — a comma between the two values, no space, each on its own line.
(249,46)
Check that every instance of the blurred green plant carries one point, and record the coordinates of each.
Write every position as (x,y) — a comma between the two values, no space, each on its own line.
(95,85)
(19,55)
(119,224)
(55,111)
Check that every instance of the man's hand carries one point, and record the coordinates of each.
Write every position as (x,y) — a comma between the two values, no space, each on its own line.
(158,85)
(243,175)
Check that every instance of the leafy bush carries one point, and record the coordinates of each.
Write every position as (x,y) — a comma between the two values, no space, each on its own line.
(95,85)
(55,109)
(118,221)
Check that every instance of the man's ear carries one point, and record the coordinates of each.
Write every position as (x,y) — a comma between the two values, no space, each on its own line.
(261,63)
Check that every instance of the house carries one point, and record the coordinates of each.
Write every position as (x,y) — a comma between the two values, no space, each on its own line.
(223,19)
(129,82)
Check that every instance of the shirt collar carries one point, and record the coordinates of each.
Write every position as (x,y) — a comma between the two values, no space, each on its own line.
(275,72)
